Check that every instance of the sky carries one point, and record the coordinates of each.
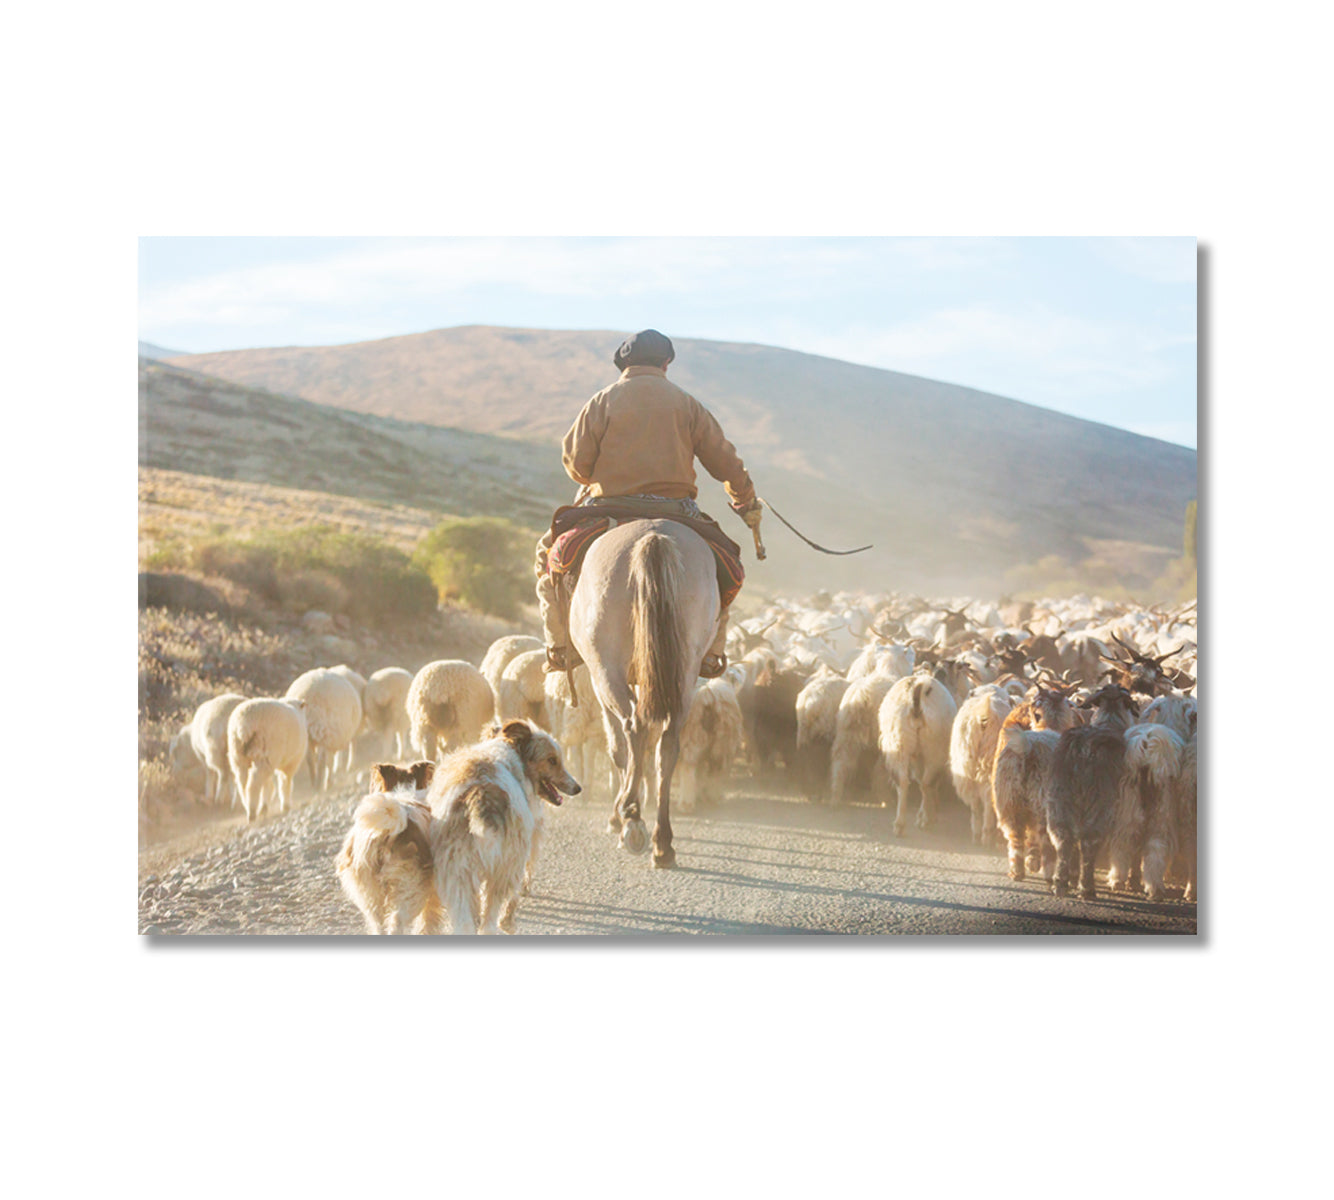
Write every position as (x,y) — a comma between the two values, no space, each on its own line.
(1100,328)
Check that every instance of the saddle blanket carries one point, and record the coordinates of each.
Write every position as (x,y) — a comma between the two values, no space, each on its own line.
(569,548)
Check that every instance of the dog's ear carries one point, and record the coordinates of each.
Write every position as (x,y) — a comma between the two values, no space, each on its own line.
(518,734)
(380,777)
(423,772)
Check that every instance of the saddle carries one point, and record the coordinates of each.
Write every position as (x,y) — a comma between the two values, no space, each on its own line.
(576,527)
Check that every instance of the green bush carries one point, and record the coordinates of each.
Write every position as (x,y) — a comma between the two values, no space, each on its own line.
(484,563)
(316,566)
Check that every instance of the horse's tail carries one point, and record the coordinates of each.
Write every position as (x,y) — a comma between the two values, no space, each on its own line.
(657,620)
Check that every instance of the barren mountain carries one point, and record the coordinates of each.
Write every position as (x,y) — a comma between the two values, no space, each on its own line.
(958,489)
(191,423)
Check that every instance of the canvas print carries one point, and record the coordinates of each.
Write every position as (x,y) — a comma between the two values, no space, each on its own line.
(658,587)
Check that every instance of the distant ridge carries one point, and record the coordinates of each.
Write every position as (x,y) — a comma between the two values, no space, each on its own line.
(148,350)
(958,489)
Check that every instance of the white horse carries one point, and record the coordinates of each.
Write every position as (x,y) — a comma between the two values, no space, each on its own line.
(642,616)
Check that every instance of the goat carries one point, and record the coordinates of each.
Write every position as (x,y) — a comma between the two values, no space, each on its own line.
(915,719)
(973,741)
(817,722)
(856,748)
(1085,785)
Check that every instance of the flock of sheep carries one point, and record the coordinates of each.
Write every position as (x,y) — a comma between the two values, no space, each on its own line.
(1061,726)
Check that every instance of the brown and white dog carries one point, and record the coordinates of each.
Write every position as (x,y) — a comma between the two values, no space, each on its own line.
(488,808)
(385,863)
(463,848)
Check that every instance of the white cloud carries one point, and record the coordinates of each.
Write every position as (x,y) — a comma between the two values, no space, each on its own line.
(398,270)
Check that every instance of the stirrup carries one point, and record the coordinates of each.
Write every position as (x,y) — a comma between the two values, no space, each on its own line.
(560,658)
(712,666)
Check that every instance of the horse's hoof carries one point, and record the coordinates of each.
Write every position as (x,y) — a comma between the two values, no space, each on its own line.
(614,825)
(634,837)
(898,828)
(665,860)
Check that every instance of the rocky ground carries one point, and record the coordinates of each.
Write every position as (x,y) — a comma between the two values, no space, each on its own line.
(759,863)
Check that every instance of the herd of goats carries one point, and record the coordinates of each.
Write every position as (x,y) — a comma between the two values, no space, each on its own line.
(1067,728)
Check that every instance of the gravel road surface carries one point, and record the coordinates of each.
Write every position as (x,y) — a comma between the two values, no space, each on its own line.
(756,864)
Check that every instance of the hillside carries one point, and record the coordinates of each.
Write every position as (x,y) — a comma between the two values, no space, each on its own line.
(148,350)
(958,489)
(207,427)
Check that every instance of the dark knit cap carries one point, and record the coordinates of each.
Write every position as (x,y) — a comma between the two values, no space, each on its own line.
(647,348)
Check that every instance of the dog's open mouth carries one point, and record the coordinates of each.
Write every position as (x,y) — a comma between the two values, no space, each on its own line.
(548,792)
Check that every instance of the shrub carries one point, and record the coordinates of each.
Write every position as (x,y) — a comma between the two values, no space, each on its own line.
(484,563)
(315,566)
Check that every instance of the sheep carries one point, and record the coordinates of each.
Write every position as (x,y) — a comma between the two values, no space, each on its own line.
(856,747)
(343,759)
(1025,751)
(521,692)
(501,651)
(1084,787)
(187,770)
(386,707)
(208,737)
(266,743)
(915,719)
(710,740)
(333,716)
(973,741)
(1143,825)
(579,730)
(449,704)
(817,720)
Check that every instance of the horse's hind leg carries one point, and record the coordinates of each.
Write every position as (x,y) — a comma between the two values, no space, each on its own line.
(669,750)
(634,834)
(620,761)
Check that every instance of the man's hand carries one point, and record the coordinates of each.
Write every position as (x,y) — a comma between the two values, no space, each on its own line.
(750,513)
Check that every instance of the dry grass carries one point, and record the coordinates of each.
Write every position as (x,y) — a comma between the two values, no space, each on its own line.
(176,507)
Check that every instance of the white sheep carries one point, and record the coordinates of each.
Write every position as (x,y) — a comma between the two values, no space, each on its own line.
(449,704)
(333,716)
(343,759)
(385,702)
(208,737)
(856,745)
(710,740)
(521,693)
(501,651)
(579,731)
(266,743)
(973,754)
(817,722)
(915,720)
(187,771)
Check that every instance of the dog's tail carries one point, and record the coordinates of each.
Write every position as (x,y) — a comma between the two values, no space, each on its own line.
(657,619)
(383,823)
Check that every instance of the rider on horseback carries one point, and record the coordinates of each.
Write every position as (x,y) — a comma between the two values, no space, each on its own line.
(636,442)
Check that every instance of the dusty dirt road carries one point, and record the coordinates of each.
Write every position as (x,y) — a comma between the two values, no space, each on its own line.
(757,864)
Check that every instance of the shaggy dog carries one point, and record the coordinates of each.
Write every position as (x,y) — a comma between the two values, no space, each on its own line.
(385,863)
(487,822)
(465,846)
